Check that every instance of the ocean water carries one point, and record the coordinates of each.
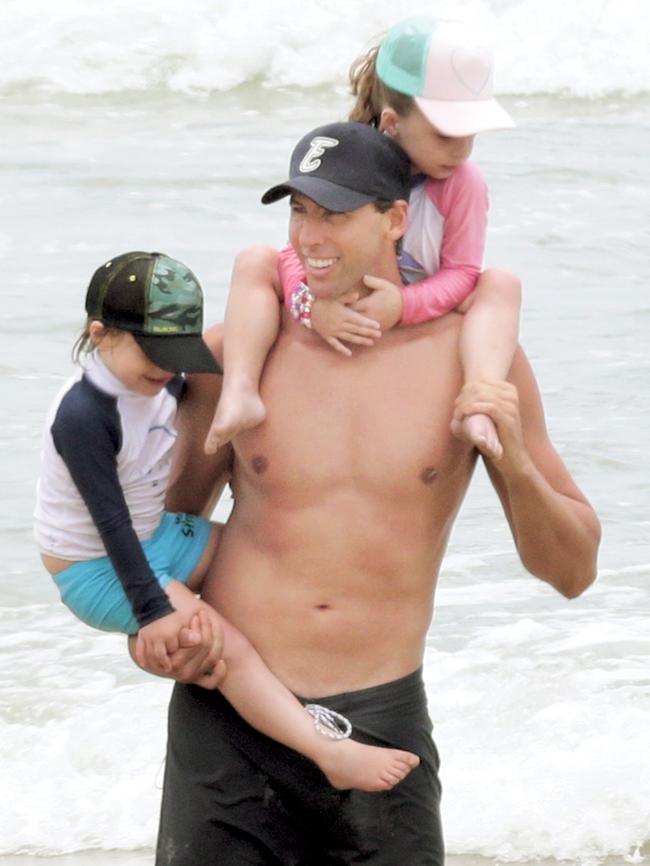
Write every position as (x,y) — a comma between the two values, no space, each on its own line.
(162,134)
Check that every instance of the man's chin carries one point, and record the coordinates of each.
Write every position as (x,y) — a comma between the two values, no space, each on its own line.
(333,286)
(321,276)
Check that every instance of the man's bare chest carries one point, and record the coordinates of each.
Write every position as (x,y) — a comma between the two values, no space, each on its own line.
(377,421)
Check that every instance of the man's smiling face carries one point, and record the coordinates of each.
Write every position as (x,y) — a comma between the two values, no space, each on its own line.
(337,249)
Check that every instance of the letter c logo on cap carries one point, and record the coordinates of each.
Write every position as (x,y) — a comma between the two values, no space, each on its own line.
(318,146)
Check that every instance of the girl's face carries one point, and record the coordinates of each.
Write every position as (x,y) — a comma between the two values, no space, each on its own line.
(430,152)
(127,362)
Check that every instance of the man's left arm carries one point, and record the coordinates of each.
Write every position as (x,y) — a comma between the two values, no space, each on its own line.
(555,529)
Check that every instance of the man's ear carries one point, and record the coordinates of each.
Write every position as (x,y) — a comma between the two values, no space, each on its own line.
(397,219)
(389,121)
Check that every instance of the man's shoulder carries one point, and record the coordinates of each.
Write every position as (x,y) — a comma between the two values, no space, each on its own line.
(447,326)
(433,342)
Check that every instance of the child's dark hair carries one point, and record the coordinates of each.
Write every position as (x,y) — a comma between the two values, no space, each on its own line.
(371,93)
(84,344)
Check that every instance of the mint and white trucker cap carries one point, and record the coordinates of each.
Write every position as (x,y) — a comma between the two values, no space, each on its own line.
(449,69)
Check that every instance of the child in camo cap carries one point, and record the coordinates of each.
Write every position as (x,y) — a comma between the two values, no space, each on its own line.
(123,563)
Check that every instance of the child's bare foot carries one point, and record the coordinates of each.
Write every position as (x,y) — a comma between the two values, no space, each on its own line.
(238,410)
(348,764)
(480,431)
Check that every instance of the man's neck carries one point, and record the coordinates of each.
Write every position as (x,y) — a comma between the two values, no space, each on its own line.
(387,270)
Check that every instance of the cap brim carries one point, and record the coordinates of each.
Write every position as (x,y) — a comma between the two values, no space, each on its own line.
(329,195)
(178,353)
(464,118)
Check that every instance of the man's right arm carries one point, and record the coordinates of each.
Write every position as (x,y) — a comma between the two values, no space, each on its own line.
(197,479)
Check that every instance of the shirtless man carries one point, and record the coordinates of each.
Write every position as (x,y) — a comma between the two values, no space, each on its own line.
(344,501)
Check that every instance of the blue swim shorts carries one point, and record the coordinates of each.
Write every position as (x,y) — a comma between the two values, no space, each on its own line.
(92,589)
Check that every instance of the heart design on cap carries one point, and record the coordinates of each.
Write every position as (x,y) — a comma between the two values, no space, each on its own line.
(472,67)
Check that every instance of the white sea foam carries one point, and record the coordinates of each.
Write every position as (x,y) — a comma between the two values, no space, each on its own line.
(543,733)
(584,48)
(81,739)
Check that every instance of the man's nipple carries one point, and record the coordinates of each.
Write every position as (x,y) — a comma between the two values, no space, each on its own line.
(428,474)
(260,464)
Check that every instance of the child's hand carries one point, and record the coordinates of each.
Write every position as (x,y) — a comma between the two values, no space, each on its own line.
(335,321)
(384,304)
(198,659)
(157,641)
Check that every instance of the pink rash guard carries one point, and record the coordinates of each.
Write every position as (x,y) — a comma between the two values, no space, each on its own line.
(442,250)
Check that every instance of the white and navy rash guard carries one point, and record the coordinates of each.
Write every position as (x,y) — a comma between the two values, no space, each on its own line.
(104,472)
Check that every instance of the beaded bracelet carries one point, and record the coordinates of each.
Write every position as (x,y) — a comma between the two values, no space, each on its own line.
(300,305)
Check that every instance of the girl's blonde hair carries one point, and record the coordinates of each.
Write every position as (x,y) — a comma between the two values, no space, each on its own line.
(372,95)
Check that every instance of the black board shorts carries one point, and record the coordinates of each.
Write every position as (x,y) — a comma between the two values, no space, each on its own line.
(234,797)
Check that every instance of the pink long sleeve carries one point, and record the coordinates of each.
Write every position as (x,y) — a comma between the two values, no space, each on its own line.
(462,202)
(291,272)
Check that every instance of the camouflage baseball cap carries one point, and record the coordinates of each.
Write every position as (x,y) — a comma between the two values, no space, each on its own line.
(160,302)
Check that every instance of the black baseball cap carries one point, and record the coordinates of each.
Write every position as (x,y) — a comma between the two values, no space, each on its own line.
(344,166)
(160,302)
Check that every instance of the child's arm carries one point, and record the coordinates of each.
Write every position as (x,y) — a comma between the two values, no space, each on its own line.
(251,327)
(462,201)
(333,320)
(88,443)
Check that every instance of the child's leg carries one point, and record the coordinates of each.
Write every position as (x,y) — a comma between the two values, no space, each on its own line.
(270,707)
(251,327)
(183,590)
(487,345)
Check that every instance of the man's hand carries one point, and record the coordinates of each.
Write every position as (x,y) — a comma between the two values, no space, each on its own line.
(500,402)
(384,304)
(198,658)
(157,641)
(193,655)
(335,321)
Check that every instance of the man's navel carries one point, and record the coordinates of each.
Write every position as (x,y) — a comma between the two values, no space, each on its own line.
(428,474)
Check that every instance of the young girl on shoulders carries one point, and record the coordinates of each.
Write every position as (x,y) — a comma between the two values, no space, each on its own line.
(120,561)
(429,86)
